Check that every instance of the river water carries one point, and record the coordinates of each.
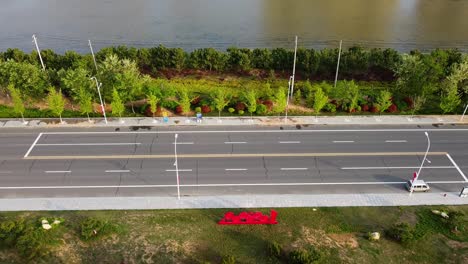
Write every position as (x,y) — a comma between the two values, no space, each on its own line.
(68,24)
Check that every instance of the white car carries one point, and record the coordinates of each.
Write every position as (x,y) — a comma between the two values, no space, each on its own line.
(418,186)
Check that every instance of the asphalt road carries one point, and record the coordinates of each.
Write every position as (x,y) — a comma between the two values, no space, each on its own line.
(229,160)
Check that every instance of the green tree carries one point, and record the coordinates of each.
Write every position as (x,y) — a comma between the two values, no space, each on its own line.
(184,98)
(153,101)
(412,75)
(459,75)
(221,98)
(297,97)
(450,99)
(352,95)
(30,79)
(320,100)
(18,104)
(280,101)
(128,82)
(384,100)
(85,101)
(418,102)
(118,106)
(56,102)
(250,97)
(73,81)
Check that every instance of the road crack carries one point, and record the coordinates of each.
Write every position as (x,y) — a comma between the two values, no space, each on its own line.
(318,169)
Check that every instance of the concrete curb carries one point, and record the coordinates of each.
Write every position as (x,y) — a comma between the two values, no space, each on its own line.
(229,201)
(239,121)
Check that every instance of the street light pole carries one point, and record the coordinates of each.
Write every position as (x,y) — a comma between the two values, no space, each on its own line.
(287,101)
(294,69)
(338,63)
(98,85)
(422,163)
(92,53)
(464,111)
(176,164)
(38,51)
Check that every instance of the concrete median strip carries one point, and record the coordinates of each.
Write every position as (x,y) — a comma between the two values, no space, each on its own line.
(246,155)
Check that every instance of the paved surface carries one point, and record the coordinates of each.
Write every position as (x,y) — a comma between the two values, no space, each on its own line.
(240,121)
(229,166)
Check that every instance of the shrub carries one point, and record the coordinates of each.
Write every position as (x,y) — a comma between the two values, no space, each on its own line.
(365,108)
(179,109)
(228,259)
(275,250)
(205,109)
(329,107)
(241,112)
(240,106)
(302,256)
(196,100)
(231,110)
(198,109)
(92,228)
(374,109)
(261,109)
(409,102)
(10,231)
(392,109)
(400,232)
(269,104)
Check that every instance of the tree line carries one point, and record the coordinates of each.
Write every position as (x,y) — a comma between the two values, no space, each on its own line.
(440,76)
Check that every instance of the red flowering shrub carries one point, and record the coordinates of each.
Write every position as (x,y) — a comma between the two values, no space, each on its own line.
(364,108)
(392,109)
(268,104)
(205,109)
(409,102)
(374,109)
(196,100)
(240,106)
(178,109)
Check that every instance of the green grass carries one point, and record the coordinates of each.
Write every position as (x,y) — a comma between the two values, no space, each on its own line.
(193,236)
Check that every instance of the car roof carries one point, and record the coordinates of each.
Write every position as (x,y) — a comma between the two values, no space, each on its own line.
(418,182)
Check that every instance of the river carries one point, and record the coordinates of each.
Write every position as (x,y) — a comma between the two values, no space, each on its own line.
(68,24)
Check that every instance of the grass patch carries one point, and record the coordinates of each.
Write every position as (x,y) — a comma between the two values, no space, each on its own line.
(326,235)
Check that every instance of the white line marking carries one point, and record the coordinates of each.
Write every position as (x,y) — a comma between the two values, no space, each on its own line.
(235,142)
(395,141)
(436,182)
(181,169)
(57,171)
(89,144)
(235,169)
(32,146)
(183,143)
(385,168)
(287,169)
(289,142)
(117,170)
(5,172)
(343,141)
(458,168)
(261,131)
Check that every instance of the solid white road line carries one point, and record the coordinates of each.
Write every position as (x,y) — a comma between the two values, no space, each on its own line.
(395,141)
(32,146)
(385,168)
(183,143)
(117,170)
(212,185)
(287,169)
(235,142)
(181,170)
(235,169)
(343,141)
(260,131)
(289,142)
(57,171)
(5,172)
(458,168)
(89,144)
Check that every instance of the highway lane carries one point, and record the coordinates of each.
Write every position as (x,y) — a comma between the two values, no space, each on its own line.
(359,161)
